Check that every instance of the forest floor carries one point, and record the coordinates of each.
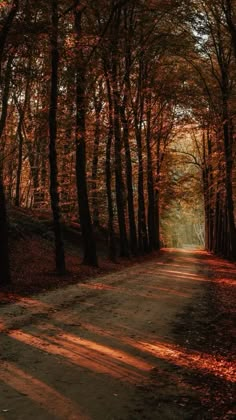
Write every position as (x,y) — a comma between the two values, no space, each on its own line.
(152,341)
(32,255)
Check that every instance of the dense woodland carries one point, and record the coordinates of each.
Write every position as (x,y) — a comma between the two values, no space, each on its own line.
(120,115)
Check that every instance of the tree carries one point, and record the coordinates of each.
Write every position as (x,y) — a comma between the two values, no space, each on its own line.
(5,277)
(59,247)
(90,255)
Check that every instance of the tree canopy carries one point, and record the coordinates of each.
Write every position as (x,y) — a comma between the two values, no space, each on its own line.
(120,115)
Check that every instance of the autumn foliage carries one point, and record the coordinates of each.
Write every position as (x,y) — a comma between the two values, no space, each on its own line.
(120,116)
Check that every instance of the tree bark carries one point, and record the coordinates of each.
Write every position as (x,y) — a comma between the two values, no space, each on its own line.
(59,246)
(156,192)
(90,254)
(138,122)
(150,184)
(95,207)
(228,141)
(21,137)
(19,166)
(108,172)
(124,247)
(5,277)
(128,22)
(129,183)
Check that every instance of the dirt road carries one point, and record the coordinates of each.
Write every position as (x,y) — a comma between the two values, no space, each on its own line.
(137,344)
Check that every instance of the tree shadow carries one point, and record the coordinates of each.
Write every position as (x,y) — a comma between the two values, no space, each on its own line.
(59,359)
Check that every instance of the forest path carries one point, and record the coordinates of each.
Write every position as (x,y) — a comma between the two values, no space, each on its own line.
(136,344)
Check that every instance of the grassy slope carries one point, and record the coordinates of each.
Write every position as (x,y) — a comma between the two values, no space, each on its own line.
(32,255)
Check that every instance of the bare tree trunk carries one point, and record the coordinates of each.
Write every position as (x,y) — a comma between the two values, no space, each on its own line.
(228,141)
(21,137)
(156,192)
(210,192)
(128,22)
(206,192)
(90,254)
(5,277)
(95,207)
(138,121)
(59,246)
(111,233)
(129,183)
(120,200)
(150,184)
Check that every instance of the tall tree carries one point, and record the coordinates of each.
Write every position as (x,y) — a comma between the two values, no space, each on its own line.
(124,113)
(119,182)
(90,254)
(5,277)
(59,247)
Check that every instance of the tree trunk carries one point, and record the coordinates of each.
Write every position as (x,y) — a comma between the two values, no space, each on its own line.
(216,237)
(120,200)
(128,23)
(129,184)
(95,207)
(138,121)
(90,254)
(228,141)
(206,189)
(21,137)
(124,249)
(150,184)
(206,208)
(142,228)
(111,233)
(59,246)
(210,192)
(19,167)
(156,194)
(5,277)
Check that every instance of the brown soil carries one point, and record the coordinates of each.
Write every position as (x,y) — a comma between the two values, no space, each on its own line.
(153,341)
